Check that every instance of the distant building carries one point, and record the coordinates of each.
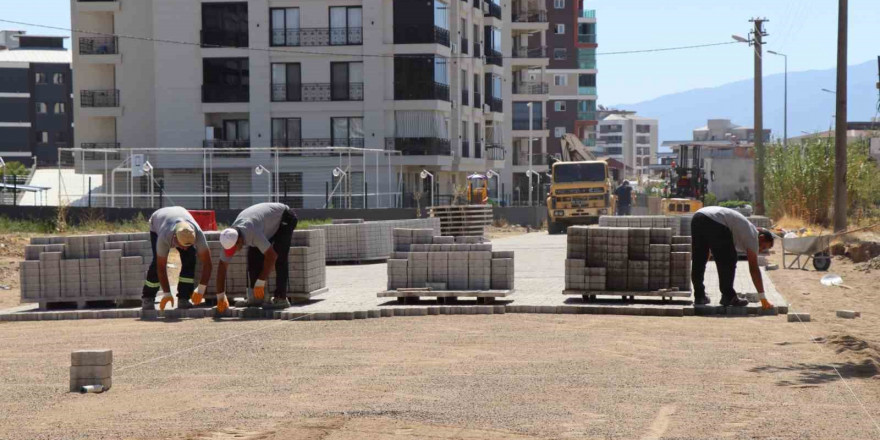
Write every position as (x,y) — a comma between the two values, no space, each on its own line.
(36,116)
(630,139)
(723,129)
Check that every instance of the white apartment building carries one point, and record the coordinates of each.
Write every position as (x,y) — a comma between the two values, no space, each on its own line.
(630,139)
(428,80)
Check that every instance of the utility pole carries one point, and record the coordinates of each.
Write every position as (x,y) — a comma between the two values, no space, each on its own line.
(758,35)
(840,201)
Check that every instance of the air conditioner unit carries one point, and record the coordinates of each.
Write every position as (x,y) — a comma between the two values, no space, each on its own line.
(454,48)
(486,108)
(485,8)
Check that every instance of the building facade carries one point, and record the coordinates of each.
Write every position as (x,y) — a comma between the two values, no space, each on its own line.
(429,81)
(36,109)
(630,139)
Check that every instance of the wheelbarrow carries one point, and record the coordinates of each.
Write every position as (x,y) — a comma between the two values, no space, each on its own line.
(802,250)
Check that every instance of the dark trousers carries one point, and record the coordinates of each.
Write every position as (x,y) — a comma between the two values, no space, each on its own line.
(711,235)
(623,209)
(281,244)
(185,282)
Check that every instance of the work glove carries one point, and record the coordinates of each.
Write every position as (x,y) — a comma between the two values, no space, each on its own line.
(765,305)
(166,298)
(198,294)
(260,289)
(222,302)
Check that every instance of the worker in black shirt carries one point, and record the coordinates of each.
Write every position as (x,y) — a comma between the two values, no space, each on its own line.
(624,198)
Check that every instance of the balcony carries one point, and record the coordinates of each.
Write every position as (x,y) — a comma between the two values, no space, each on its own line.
(229,149)
(530,16)
(99,98)
(419,146)
(587,116)
(590,91)
(478,100)
(221,93)
(530,52)
(464,97)
(338,36)
(315,143)
(421,90)
(586,59)
(531,88)
(587,13)
(98,45)
(465,149)
(495,104)
(494,10)
(421,35)
(495,152)
(318,92)
(537,124)
(494,57)
(224,38)
(587,38)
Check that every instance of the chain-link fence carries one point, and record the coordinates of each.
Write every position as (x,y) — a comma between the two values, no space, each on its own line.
(228,178)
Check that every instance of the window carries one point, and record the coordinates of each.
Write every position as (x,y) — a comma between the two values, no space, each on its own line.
(40,78)
(560,53)
(41,108)
(346,81)
(613,139)
(521,115)
(560,29)
(347,132)
(441,15)
(643,128)
(286,82)
(42,137)
(559,106)
(587,80)
(559,132)
(237,130)
(58,78)
(463,30)
(225,80)
(559,4)
(225,24)
(560,80)
(441,70)
(610,128)
(286,132)
(465,138)
(285,26)
(643,140)
(59,108)
(346,25)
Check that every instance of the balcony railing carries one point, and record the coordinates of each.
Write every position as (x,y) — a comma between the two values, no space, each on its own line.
(419,146)
(337,36)
(495,152)
(224,93)
(587,90)
(494,10)
(478,100)
(100,155)
(587,13)
(224,38)
(587,115)
(530,16)
(495,104)
(421,90)
(494,57)
(229,149)
(465,149)
(99,98)
(587,38)
(464,46)
(98,45)
(316,143)
(530,52)
(528,88)
(464,97)
(406,34)
(318,92)
(587,62)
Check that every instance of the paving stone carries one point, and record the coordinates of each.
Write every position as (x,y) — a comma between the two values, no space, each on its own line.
(848,314)
(91,357)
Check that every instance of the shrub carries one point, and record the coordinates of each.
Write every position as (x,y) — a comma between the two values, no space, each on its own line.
(710,199)
(733,204)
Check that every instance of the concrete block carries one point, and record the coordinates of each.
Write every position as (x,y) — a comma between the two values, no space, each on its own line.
(91,371)
(798,317)
(91,357)
(848,314)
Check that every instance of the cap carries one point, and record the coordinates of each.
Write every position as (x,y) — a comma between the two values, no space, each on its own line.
(185,233)
(228,239)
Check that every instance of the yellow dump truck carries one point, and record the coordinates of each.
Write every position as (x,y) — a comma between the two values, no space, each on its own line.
(579,193)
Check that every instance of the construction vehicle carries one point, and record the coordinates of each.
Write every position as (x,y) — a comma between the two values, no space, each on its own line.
(687,184)
(478,189)
(580,188)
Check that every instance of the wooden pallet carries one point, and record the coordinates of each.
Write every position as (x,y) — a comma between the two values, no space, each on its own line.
(89,302)
(590,295)
(345,262)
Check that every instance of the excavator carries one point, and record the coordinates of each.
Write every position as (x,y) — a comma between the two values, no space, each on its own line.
(580,188)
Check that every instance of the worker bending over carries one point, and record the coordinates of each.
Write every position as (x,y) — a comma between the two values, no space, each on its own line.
(724,231)
(266,229)
(175,227)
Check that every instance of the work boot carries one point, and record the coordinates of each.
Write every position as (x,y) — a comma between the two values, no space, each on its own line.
(701,300)
(183,303)
(277,304)
(734,301)
(148,303)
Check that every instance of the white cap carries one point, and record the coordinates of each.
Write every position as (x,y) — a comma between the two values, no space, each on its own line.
(228,238)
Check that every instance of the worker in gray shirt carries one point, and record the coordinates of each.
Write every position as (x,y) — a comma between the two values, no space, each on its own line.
(175,227)
(266,229)
(723,231)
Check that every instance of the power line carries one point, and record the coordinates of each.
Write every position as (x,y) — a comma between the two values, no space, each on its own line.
(320,53)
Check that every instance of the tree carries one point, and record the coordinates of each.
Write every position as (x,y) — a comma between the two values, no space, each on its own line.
(14,169)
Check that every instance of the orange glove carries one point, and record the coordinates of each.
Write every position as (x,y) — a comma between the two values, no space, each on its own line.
(222,302)
(166,298)
(765,305)
(260,289)
(199,294)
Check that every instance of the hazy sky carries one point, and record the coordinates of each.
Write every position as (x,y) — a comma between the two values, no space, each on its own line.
(804,29)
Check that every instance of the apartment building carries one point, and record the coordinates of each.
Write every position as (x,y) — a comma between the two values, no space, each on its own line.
(35,106)
(554,84)
(429,81)
(631,139)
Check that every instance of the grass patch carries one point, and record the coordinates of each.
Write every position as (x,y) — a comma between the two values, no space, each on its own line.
(306,224)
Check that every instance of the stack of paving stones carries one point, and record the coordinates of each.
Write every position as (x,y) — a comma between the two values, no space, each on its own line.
(354,240)
(442,266)
(85,269)
(641,221)
(627,261)
(91,367)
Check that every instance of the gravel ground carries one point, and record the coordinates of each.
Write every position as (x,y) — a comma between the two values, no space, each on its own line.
(504,376)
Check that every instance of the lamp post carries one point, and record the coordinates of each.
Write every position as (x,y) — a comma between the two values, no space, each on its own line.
(531,173)
(259,170)
(340,172)
(424,175)
(785,124)
(490,174)
(148,169)
(531,121)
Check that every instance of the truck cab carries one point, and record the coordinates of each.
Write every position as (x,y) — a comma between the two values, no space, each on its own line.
(579,193)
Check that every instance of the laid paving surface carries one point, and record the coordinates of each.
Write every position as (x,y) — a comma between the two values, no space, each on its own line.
(540,280)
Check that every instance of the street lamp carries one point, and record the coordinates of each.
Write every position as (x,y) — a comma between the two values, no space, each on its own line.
(490,174)
(424,175)
(531,121)
(785,129)
(740,39)
(340,172)
(259,170)
(147,168)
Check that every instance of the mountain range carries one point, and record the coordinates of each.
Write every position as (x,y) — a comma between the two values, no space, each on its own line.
(809,108)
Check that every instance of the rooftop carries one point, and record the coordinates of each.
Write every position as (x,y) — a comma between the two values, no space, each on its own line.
(35,56)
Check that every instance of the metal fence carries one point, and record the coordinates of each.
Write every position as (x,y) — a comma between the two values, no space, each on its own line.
(229,178)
